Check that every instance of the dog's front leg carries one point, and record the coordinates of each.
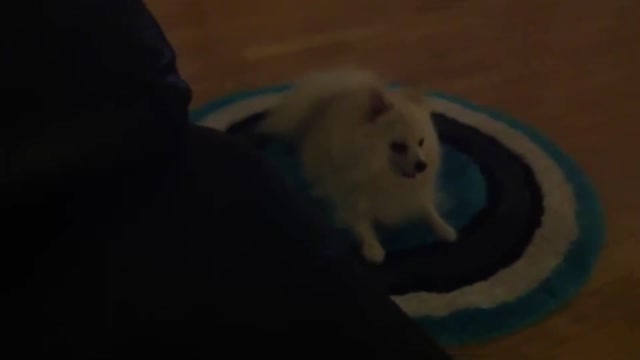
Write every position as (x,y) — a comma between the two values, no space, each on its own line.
(369,244)
(439,225)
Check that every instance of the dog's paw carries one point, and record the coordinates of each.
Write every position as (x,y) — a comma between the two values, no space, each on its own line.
(448,233)
(373,252)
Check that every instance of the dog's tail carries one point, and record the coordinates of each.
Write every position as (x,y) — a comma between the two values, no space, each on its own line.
(298,108)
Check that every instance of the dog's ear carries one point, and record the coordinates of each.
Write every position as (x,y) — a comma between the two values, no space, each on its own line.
(379,104)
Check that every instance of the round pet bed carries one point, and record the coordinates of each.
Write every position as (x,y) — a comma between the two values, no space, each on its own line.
(530,226)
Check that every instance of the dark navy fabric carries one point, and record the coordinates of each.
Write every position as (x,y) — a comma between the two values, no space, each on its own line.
(129,233)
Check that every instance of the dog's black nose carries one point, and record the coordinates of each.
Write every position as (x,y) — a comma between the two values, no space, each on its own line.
(420,166)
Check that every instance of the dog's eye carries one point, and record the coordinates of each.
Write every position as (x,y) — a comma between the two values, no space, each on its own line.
(421,142)
(399,147)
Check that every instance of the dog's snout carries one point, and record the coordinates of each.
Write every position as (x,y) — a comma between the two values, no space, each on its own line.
(420,166)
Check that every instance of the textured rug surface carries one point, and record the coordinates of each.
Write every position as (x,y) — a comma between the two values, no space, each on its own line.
(529,222)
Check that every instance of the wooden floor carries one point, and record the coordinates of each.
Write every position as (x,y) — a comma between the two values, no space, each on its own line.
(570,67)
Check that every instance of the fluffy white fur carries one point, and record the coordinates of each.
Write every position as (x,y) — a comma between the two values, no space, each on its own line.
(360,146)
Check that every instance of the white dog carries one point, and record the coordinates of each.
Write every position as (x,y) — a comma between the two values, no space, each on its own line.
(374,153)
